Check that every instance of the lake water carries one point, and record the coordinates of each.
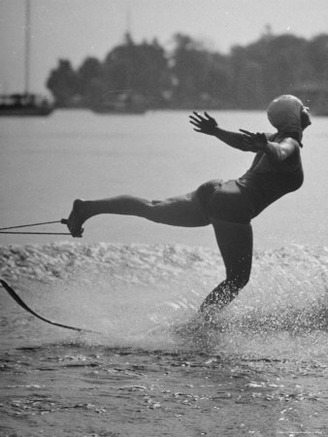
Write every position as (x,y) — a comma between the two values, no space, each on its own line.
(152,369)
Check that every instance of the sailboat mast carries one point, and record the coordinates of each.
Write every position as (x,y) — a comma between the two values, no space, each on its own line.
(27,45)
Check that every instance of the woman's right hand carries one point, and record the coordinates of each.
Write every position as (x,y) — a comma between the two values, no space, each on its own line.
(255,141)
(206,125)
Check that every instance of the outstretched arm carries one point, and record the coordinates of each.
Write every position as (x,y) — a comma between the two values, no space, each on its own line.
(208,125)
(246,141)
(277,151)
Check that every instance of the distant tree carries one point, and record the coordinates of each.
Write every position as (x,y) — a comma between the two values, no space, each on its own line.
(216,88)
(89,80)
(190,66)
(284,63)
(317,58)
(192,76)
(247,77)
(269,67)
(137,68)
(63,83)
(154,79)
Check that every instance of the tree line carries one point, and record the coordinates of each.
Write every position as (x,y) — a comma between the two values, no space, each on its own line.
(192,76)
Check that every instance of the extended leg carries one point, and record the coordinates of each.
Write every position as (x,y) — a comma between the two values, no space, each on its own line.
(235,242)
(182,210)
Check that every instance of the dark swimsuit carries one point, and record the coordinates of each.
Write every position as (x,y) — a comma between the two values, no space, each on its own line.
(242,199)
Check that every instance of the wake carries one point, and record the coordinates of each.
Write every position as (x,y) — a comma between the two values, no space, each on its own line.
(147,296)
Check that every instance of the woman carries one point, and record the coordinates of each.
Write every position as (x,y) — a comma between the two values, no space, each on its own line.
(228,206)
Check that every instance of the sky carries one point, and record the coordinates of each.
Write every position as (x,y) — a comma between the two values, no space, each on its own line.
(76,29)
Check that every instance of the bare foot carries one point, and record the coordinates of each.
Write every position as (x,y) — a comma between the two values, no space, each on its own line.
(76,219)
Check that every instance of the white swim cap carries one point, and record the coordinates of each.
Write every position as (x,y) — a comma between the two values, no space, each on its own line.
(284,113)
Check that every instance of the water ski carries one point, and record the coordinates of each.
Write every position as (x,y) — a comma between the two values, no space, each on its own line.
(22,304)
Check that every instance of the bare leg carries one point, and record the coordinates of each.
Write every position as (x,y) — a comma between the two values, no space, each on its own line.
(235,242)
(182,210)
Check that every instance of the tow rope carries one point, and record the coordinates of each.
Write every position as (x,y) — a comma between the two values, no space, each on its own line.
(8,230)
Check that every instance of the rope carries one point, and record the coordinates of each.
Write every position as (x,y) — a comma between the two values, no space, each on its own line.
(62,221)
(32,224)
(36,233)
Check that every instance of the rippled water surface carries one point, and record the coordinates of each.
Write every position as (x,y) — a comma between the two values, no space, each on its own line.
(153,368)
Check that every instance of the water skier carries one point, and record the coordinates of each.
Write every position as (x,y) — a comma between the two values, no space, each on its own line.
(228,206)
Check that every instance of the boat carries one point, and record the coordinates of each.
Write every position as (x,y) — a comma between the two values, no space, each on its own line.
(26,103)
